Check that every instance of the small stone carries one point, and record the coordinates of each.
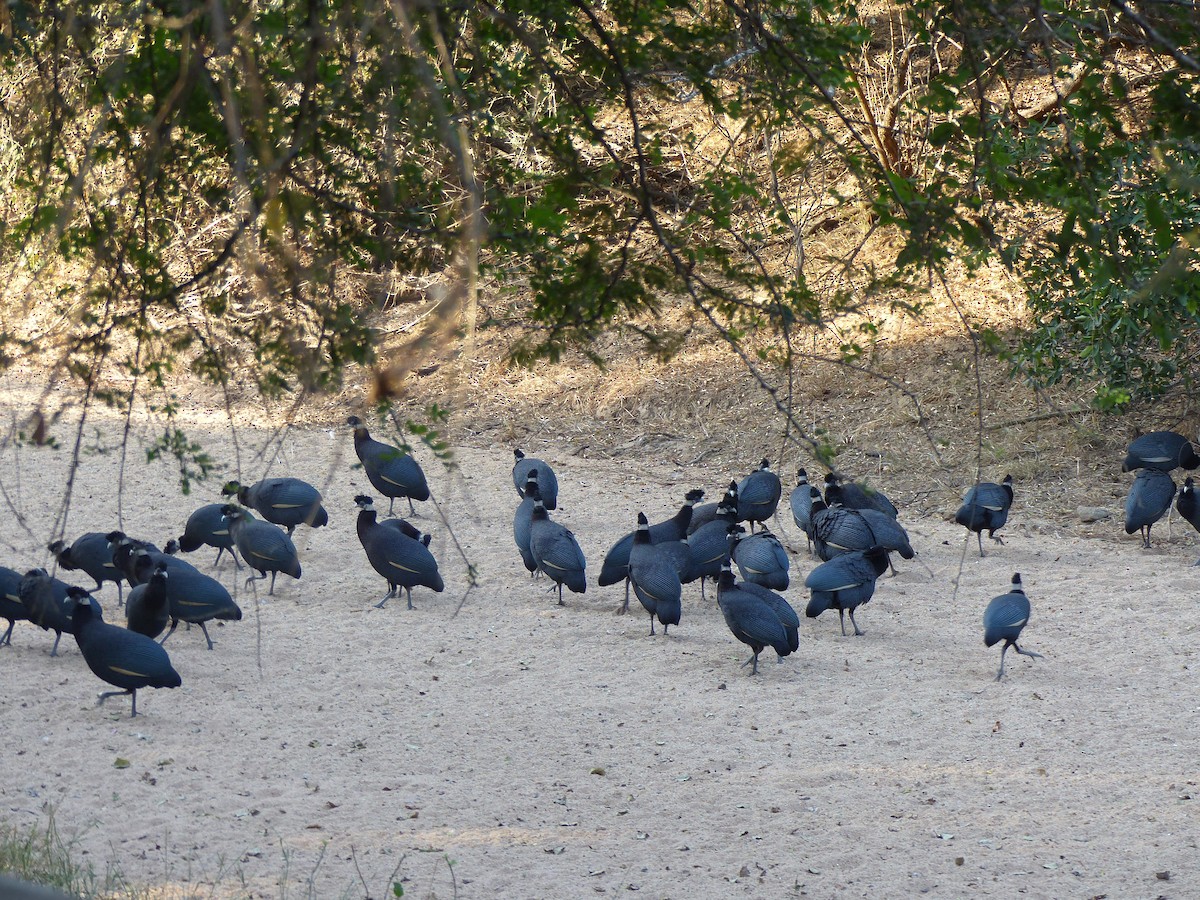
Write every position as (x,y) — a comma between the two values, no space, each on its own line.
(1092,513)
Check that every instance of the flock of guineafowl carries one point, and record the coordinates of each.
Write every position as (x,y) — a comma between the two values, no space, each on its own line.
(851,527)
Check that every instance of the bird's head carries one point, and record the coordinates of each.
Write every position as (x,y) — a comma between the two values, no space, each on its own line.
(518,455)
(765,464)
(801,476)
(643,522)
(231,511)
(354,422)
(115,537)
(171,548)
(55,547)
(1017,587)
(531,485)
(362,501)
(695,495)
(231,489)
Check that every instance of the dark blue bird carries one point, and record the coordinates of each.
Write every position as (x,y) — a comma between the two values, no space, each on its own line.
(11,607)
(547,481)
(709,544)
(1004,619)
(985,507)
(1161,450)
(45,599)
(845,583)
(123,658)
(853,495)
(1149,500)
(655,578)
(206,527)
(762,560)
(616,561)
(149,609)
(282,501)
(523,522)
(401,558)
(1187,506)
(391,470)
(753,620)
(800,501)
(758,494)
(556,552)
(89,553)
(264,547)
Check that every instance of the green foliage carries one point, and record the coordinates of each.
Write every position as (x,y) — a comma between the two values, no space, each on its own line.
(227,177)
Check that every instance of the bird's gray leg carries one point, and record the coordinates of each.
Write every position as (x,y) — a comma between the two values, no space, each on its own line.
(7,639)
(411,509)
(102,697)
(995,537)
(170,631)
(57,638)
(391,505)
(408,592)
(1146,536)
(842,619)
(290,530)
(652,624)
(754,671)
(271,592)
(1026,652)
(979,537)
(1003,650)
(703,578)
(858,632)
(560,599)
(206,637)
(386,597)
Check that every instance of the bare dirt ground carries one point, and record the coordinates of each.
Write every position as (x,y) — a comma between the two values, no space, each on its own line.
(523,749)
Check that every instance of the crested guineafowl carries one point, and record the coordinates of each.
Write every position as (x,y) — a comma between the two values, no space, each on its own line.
(654,575)
(11,607)
(1161,450)
(89,553)
(391,470)
(207,527)
(123,658)
(547,481)
(761,559)
(710,543)
(752,620)
(282,501)
(149,610)
(44,599)
(758,494)
(853,495)
(1186,505)
(556,552)
(616,561)
(845,583)
(264,547)
(403,559)
(800,501)
(1003,620)
(1149,500)
(985,507)
(523,523)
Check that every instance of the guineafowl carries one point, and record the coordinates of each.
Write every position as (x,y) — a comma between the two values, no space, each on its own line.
(44,599)
(985,506)
(123,658)
(207,527)
(853,495)
(195,598)
(1186,505)
(1148,501)
(1003,620)
(523,523)
(655,578)
(800,501)
(710,543)
(616,561)
(391,470)
(90,554)
(401,558)
(282,501)
(11,607)
(761,559)
(1161,450)
(844,583)
(149,609)
(758,495)
(556,552)
(547,481)
(264,547)
(751,619)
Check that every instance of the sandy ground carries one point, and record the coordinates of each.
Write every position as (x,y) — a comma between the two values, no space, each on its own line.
(521,749)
